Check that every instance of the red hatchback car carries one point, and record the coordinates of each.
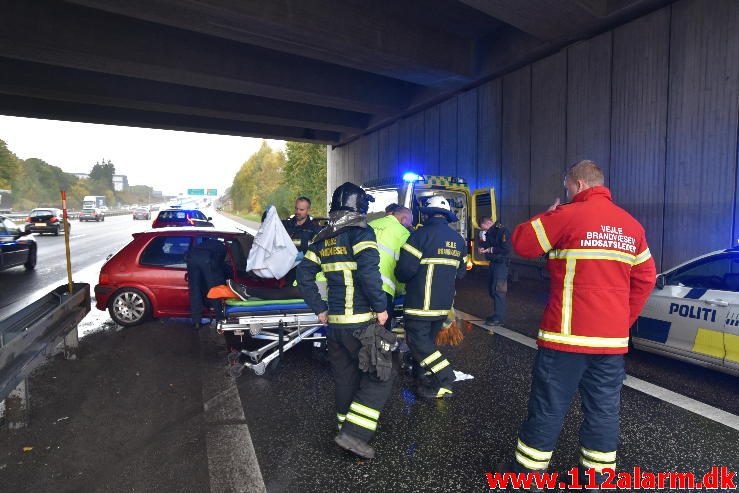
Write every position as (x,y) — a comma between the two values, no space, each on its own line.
(148,277)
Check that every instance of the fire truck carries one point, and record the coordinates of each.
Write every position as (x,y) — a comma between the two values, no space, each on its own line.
(413,191)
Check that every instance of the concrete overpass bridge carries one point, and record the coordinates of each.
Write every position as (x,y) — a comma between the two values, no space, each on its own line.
(502,92)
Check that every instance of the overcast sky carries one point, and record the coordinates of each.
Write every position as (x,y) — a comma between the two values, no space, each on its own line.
(167,160)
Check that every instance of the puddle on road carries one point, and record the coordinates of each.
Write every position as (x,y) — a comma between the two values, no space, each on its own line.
(95,321)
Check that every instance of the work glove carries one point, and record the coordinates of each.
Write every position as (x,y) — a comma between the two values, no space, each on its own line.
(385,343)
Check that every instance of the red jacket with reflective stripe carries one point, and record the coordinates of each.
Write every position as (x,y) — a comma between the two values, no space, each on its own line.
(601,272)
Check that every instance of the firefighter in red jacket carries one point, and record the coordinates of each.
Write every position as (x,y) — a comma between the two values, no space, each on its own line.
(601,276)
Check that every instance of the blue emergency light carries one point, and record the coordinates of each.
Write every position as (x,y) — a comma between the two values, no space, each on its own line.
(410,176)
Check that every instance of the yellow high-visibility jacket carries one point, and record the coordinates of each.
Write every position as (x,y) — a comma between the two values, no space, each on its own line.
(391,236)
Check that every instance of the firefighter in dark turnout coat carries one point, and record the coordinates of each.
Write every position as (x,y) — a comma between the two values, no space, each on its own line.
(429,263)
(301,227)
(347,254)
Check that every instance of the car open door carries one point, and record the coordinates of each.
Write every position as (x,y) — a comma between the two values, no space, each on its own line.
(483,204)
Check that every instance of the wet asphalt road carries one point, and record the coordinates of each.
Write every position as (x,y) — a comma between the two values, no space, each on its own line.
(526,304)
(449,445)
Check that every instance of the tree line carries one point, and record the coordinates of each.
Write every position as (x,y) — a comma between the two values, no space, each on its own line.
(36,183)
(274,177)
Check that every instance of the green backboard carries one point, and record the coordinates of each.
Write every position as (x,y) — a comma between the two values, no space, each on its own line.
(195,191)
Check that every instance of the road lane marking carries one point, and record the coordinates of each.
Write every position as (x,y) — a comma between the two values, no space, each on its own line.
(232,460)
(684,402)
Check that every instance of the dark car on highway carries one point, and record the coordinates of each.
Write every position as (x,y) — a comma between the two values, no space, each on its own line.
(16,247)
(148,277)
(45,220)
(96,215)
(141,213)
(182,217)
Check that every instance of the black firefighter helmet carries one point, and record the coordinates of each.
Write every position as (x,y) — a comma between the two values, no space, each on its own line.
(350,197)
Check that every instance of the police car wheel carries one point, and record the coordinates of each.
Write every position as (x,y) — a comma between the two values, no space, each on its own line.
(129,307)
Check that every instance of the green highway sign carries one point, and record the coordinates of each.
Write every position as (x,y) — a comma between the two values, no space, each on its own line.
(212,192)
(195,191)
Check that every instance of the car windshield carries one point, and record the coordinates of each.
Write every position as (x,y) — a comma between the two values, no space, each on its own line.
(140,210)
(41,213)
(182,216)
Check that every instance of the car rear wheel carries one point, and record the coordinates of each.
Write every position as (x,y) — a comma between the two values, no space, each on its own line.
(129,307)
(31,262)
(56,231)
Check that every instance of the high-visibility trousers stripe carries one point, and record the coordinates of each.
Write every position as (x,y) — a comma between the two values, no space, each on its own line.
(539,455)
(440,366)
(361,421)
(529,463)
(598,456)
(431,358)
(597,466)
(364,410)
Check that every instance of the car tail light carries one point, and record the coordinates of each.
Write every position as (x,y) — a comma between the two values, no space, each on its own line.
(104,278)
(28,219)
(53,220)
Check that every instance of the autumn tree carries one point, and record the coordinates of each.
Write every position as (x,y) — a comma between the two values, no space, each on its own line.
(305,173)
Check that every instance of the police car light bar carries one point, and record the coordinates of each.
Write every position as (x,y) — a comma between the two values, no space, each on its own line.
(411,177)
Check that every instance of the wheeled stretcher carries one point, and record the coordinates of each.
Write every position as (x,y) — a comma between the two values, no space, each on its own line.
(278,325)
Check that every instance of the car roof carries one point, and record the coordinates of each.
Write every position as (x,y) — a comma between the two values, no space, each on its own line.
(180,210)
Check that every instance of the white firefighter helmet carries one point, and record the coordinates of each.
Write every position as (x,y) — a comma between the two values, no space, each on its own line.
(438,204)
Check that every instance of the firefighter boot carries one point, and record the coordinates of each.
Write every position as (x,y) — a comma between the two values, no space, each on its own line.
(355,445)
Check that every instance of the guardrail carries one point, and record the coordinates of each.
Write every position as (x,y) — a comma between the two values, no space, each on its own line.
(31,335)
(73,215)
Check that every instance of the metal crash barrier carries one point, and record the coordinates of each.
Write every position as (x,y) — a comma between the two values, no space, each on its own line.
(30,336)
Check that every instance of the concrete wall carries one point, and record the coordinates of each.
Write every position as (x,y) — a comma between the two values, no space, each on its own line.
(654,101)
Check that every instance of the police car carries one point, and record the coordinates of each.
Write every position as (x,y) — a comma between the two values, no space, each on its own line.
(693,313)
